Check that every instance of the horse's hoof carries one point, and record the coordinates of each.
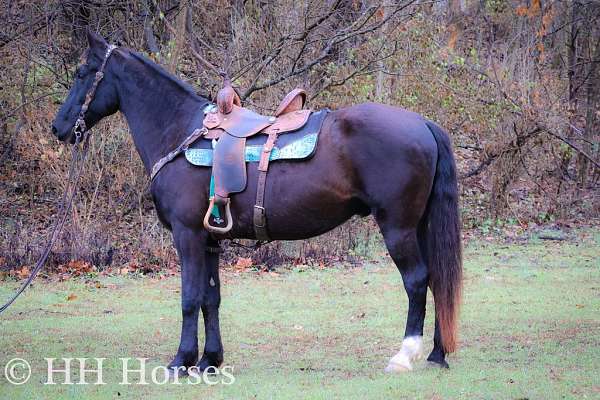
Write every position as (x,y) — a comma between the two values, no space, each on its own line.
(438,364)
(401,362)
(395,368)
(412,350)
(437,358)
(179,366)
(177,372)
(210,362)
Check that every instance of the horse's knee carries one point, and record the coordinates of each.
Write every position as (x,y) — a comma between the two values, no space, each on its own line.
(189,306)
(213,301)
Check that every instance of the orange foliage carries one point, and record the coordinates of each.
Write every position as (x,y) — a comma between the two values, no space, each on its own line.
(76,267)
(521,11)
(453,37)
(243,263)
(536,6)
(531,11)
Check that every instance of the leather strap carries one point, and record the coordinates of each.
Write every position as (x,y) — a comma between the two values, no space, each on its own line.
(182,147)
(177,151)
(260,217)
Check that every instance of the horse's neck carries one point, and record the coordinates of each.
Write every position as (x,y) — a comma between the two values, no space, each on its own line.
(160,115)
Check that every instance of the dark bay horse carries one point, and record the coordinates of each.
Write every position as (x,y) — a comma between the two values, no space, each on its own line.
(372,159)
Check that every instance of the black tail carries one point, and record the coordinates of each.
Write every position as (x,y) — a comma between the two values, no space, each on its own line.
(443,241)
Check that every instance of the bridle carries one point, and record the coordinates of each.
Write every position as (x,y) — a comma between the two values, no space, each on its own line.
(77,159)
(80,128)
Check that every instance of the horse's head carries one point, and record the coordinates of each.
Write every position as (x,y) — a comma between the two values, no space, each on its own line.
(105,100)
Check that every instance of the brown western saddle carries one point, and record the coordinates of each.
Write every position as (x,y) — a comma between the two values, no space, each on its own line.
(230,125)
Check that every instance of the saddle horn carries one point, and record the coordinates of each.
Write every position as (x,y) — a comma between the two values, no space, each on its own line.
(227,97)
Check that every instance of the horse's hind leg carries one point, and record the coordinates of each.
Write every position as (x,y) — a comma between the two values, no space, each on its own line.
(404,249)
(438,355)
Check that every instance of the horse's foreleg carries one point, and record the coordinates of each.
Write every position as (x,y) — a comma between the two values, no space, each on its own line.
(213,347)
(191,247)
(404,250)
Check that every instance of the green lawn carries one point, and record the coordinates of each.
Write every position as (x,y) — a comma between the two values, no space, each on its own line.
(530,329)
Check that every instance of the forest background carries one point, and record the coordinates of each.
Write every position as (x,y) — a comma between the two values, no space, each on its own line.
(515,83)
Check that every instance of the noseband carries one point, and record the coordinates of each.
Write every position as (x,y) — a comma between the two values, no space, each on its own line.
(79,128)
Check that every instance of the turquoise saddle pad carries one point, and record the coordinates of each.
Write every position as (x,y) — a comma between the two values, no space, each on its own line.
(299,149)
(296,145)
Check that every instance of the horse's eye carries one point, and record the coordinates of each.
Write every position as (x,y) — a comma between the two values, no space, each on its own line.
(79,73)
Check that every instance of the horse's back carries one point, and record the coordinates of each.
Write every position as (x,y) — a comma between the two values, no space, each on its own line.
(393,125)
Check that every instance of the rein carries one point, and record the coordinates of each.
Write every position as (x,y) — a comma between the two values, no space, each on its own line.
(78,155)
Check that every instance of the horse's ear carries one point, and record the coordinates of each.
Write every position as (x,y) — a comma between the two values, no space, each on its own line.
(96,41)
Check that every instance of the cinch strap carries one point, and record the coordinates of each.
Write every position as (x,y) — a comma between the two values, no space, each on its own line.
(260,216)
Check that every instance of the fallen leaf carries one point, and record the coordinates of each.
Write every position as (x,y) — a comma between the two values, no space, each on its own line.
(243,263)
(71,297)
(23,273)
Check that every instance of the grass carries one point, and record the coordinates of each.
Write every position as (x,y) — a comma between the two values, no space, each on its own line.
(530,329)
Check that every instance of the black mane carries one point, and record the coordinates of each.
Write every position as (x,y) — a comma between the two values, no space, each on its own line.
(186,87)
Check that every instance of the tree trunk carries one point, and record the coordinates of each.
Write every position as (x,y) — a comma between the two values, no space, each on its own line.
(149,38)
(591,108)
(573,84)
(381,86)
(178,40)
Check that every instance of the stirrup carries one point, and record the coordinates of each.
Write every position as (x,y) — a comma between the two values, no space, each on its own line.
(207,218)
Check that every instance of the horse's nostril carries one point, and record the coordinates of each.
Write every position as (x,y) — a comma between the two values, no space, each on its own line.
(54,130)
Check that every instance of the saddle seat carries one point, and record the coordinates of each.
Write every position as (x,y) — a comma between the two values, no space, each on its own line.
(230,125)
(241,122)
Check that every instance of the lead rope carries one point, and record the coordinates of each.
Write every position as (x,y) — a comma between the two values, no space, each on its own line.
(78,155)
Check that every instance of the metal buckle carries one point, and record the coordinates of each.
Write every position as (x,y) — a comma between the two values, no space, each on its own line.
(79,128)
(259,213)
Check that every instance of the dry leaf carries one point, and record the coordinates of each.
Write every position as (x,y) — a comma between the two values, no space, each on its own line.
(521,11)
(243,263)
(71,297)
(23,273)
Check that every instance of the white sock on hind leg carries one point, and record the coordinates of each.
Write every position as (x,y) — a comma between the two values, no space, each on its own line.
(412,348)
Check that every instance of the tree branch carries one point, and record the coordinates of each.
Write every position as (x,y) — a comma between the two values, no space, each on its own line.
(572,145)
(356,28)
